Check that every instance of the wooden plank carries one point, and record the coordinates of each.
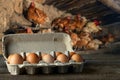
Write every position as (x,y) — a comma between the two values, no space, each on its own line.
(114,4)
(92,9)
(90,72)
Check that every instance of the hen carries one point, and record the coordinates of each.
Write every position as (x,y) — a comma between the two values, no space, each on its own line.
(85,38)
(92,27)
(108,38)
(80,22)
(77,23)
(36,15)
(74,38)
(61,24)
(93,44)
(55,22)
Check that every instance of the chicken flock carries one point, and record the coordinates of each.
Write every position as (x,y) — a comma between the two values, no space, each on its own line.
(82,32)
(80,29)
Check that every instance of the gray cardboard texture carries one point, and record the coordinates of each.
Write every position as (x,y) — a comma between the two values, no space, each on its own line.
(18,43)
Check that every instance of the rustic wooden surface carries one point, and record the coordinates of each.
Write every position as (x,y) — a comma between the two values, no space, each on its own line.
(93,70)
(62,77)
(114,4)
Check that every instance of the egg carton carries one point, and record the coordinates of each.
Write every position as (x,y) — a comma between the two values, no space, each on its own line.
(36,69)
(43,67)
(47,43)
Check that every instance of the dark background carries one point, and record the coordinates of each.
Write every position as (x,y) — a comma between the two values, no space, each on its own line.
(92,9)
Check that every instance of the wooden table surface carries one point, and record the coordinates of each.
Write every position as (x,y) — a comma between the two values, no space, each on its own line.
(91,71)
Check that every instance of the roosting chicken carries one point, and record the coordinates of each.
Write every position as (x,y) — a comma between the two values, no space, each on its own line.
(70,24)
(64,22)
(85,38)
(80,22)
(61,24)
(36,15)
(55,22)
(81,43)
(108,38)
(81,32)
(74,38)
(92,27)
(85,35)
(93,44)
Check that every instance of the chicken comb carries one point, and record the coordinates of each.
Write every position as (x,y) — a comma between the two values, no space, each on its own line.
(29,30)
(97,22)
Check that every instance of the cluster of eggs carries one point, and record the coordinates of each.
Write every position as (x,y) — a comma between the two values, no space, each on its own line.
(33,58)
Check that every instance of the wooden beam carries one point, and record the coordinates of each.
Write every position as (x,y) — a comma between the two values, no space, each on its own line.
(114,4)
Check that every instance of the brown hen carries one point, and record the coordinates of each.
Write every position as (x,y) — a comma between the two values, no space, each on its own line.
(36,15)
(108,38)
(80,22)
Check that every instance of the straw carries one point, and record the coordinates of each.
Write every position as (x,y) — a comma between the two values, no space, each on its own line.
(5,57)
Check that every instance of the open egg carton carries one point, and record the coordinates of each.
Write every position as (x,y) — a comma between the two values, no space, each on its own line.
(38,43)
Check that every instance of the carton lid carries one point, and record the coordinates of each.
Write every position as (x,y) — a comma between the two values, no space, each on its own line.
(17,43)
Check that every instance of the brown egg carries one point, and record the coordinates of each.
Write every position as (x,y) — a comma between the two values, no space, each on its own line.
(71,53)
(48,58)
(43,54)
(15,59)
(77,58)
(58,53)
(32,58)
(62,58)
(8,60)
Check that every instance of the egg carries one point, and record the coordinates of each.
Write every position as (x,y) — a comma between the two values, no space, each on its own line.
(15,59)
(43,54)
(57,53)
(77,58)
(32,58)
(48,58)
(71,53)
(62,58)
(8,60)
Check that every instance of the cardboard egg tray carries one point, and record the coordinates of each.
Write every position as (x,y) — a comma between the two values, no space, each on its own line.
(47,43)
